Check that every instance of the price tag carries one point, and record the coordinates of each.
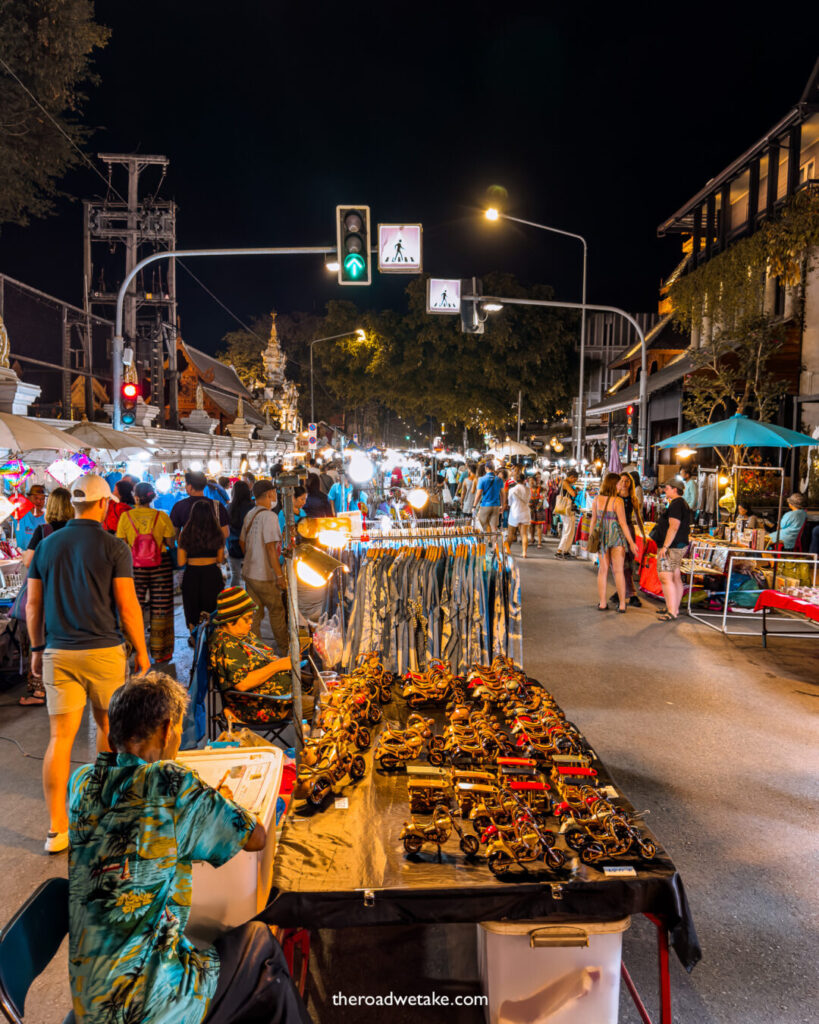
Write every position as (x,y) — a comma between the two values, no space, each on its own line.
(341,803)
(619,871)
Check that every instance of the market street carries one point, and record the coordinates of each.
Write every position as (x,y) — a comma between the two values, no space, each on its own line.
(713,735)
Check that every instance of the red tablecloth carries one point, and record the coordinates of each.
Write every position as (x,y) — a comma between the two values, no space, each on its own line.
(775,599)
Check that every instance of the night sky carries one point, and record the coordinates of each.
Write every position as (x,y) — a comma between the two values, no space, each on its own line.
(598,123)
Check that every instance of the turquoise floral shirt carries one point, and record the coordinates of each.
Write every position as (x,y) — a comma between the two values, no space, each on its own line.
(134,830)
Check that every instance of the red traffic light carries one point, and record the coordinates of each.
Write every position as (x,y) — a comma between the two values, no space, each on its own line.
(130,391)
(629,410)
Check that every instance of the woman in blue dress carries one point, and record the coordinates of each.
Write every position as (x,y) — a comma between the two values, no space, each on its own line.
(609,511)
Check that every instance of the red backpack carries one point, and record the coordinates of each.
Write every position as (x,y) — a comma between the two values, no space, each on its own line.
(145,552)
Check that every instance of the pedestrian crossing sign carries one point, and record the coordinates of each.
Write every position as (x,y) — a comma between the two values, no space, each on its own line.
(443,295)
(399,248)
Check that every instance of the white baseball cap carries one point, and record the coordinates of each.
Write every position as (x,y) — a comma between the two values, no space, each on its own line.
(89,488)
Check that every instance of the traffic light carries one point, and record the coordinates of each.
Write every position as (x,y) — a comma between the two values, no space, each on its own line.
(129,394)
(629,420)
(353,244)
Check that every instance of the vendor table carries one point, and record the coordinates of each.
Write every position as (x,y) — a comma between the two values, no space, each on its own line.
(345,866)
(774,599)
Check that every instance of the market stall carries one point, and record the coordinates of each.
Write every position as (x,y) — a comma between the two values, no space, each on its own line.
(802,604)
(408,832)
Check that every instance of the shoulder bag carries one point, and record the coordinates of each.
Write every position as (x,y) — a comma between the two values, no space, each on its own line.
(594,536)
(563,504)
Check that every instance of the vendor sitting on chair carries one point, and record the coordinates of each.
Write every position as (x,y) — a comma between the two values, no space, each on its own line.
(238,660)
(790,525)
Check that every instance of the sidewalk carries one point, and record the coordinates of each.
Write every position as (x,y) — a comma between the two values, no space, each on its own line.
(712,734)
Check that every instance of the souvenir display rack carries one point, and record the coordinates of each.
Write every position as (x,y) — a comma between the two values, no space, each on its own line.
(771,565)
(359,862)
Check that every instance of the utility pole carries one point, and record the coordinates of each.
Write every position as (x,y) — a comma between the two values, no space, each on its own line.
(520,399)
(116,233)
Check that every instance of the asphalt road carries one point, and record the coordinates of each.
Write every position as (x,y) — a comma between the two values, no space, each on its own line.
(715,737)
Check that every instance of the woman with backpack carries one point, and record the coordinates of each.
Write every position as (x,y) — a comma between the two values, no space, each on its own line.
(148,532)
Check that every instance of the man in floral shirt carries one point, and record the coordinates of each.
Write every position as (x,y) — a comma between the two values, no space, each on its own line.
(137,822)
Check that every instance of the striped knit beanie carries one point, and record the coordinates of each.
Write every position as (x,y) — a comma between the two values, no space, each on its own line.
(232,604)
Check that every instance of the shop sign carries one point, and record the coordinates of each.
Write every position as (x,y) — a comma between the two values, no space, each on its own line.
(444,295)
(399,248)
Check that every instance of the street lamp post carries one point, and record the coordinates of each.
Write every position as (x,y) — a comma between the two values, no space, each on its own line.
(330,337)
(499,302)
(493,214)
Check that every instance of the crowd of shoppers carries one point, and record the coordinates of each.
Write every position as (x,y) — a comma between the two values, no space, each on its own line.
(98,557)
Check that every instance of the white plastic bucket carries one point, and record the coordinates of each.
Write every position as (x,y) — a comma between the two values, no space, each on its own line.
(537,971)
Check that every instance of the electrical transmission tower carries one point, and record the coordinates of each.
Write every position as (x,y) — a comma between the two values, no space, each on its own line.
(117,235)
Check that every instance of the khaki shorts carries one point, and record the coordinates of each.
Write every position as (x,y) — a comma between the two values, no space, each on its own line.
(70,677)
(488,517)
(673,557)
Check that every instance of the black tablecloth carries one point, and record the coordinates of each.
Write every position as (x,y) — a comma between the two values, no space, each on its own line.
(342,867)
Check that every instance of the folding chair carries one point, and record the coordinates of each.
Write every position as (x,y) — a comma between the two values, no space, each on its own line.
(265,713)
(29,942)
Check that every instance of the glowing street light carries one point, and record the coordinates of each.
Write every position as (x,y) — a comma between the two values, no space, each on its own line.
(418,497)
(491,213)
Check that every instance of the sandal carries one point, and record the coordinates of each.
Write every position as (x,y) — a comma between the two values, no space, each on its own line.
(666,617)
(32,700)
(602,609)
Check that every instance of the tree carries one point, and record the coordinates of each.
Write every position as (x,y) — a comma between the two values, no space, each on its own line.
(473,379)
(732,374)
(47,44)
(243,349)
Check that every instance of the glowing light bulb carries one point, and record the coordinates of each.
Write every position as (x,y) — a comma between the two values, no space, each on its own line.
(360,469)
(164,483)
(214,466)
(418,497)
(491,213)
(307,574)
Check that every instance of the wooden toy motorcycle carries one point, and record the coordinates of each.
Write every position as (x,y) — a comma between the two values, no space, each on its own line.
(415,834)
(530,844)
(337,767)
(399,745)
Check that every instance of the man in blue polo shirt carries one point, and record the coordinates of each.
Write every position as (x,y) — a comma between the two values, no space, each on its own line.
(81,600)
(489,500)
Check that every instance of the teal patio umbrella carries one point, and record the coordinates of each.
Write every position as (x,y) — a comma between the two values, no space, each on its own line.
(739,432)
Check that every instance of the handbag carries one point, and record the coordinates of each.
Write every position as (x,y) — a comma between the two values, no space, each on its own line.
(594,536)
(563,504)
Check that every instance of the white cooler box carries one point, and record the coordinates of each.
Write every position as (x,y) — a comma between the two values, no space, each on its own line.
(234,893)
(534,971)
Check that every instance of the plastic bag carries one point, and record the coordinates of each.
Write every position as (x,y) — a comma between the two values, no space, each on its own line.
(328,641)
